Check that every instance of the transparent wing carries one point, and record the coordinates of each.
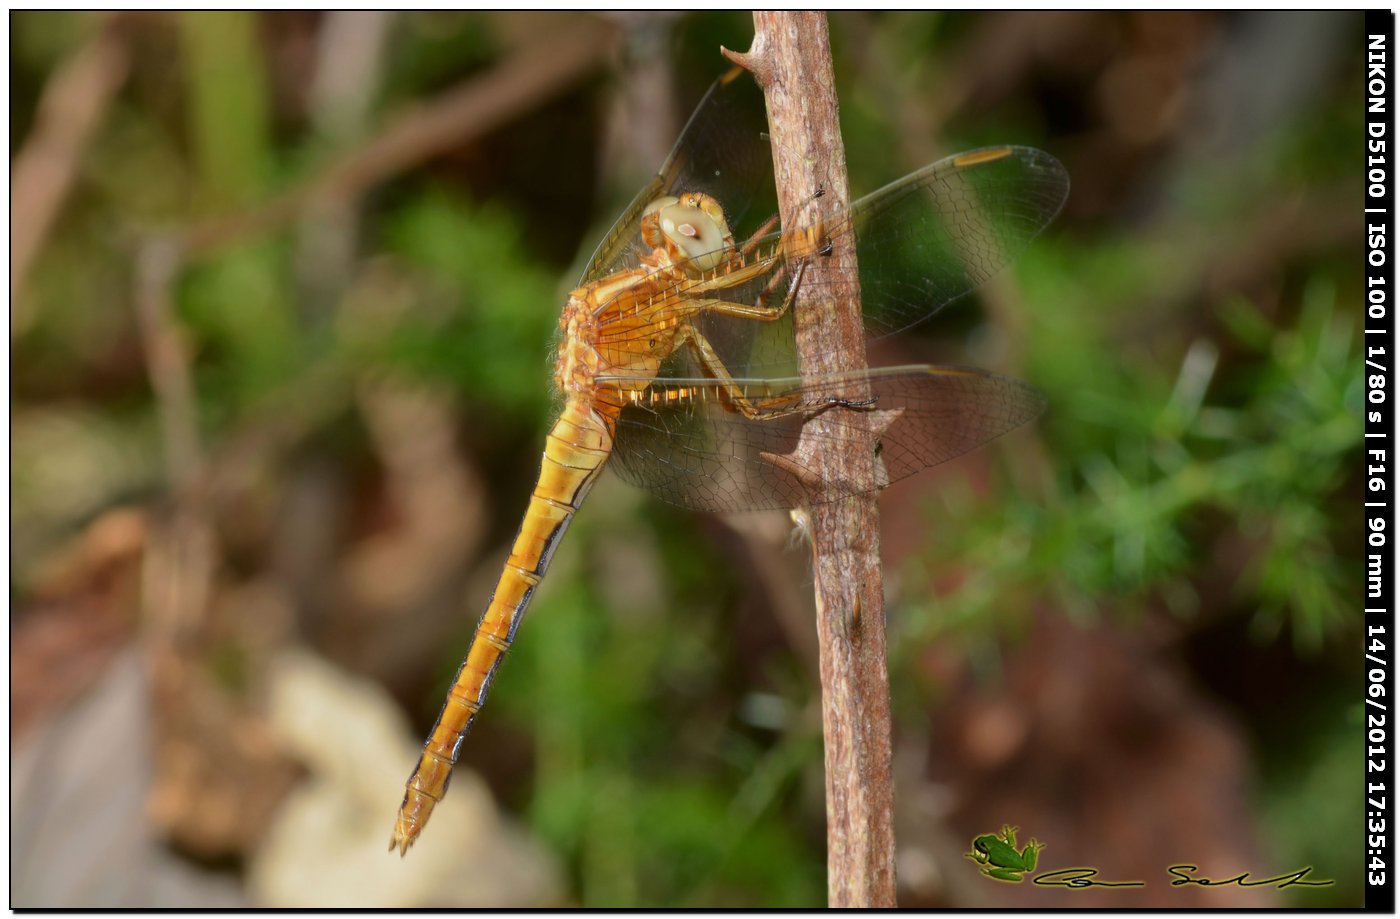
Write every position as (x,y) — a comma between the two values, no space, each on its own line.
(722,151)
(937,234)
(921,243)
(686,444)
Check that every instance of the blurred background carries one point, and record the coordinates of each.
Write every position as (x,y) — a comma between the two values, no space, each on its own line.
(283,289)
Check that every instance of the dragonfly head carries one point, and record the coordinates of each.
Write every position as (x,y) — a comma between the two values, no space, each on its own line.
(691,229)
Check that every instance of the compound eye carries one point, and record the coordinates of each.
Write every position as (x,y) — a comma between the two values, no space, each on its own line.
(698,235)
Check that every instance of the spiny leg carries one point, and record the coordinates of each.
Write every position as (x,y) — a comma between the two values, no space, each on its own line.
(724,280)
(773,285)
(765,409)
(756,311)
(713,365)
(762,232)
(758,235)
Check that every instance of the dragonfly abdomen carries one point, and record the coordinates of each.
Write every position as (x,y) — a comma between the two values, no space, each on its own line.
(575,451)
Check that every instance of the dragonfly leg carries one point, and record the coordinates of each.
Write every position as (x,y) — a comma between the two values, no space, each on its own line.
(758,236)
(723,280)
(762,300)
(759,310)
(762,408)
(731,391)
(813,242)
(751,244)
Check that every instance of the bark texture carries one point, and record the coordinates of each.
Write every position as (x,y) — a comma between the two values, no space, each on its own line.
(791,59)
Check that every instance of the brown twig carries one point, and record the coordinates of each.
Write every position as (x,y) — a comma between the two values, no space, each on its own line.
(180,554)
(791,59)
(158,264)
(71,107)
(532,74)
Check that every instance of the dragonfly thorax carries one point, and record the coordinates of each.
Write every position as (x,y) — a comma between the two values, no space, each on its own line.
(612,328)
(691,229)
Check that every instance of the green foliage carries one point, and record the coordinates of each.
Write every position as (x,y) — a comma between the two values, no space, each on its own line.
(646,810)
(235,305)
(492,309)
(1191,443)
(1159,462)
(433,48)
(227,104)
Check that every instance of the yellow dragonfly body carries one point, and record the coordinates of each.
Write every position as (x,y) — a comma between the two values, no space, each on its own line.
(671,305)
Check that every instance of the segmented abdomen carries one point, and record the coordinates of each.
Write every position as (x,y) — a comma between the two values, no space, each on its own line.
(575,451)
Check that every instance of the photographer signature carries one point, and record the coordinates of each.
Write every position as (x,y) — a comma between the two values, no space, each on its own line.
(1082,878)
(998,858)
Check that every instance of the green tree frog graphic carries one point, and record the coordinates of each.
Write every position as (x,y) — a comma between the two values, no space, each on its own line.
(998,856)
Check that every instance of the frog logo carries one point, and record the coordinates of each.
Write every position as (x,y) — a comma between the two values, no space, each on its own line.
(998,856)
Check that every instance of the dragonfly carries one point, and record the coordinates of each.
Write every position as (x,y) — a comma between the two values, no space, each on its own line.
(676,357)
